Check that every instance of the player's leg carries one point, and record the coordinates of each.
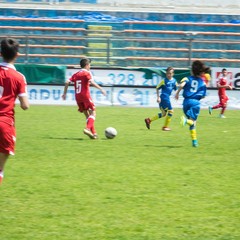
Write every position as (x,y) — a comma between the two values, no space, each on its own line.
(186,120)
(217,106)
(3,160)
(191,110)
(87,129)
(7,145)
(91,123)
(88,108)
(168,112)
(193,133)
(224,106)
(223,111)
(193,115)
(162,114)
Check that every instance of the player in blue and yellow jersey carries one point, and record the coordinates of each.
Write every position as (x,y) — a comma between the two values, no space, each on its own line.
(194,89)
(167,85)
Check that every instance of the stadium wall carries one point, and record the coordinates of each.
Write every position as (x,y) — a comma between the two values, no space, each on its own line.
(120,96)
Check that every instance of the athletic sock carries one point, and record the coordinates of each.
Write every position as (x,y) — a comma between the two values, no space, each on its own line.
(217,106)
(167,120)
(159,115)
(223,110)
(193,132)
(93,130)
(90,122)
(1,176)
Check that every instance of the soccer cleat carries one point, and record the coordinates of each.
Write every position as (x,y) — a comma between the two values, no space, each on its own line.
(210,110)
(183,121)
(88,133)
(95,136)
(166,129)
(195,143)
(148,122)
(222,116)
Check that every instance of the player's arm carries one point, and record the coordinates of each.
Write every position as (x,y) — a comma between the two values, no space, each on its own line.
(227,86)
(157,90)
(158,95)
(181,86)
(24,104)
(64,96)
(94,84)
(22,94)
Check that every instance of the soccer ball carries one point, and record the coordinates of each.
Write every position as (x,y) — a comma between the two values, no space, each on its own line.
(110,132)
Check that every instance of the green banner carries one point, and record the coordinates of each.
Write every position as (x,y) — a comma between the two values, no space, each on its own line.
(42,74)
(179,74)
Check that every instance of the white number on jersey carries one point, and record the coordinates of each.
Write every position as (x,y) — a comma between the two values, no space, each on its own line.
(194,86)
(78,86)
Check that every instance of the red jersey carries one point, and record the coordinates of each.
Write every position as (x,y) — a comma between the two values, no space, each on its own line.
(81,81)
(12,85)
(222,91)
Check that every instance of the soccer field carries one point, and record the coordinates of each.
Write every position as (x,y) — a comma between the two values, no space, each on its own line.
(142,185)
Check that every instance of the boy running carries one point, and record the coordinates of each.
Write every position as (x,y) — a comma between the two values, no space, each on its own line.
(12,85)
(194,89)
(167,85)
(82,81)
(222,85)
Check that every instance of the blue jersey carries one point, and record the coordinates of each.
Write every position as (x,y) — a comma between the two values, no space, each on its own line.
(195,88)
(193,91)
(167,86)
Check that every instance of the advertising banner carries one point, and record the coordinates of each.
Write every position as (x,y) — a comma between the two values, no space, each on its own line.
(120,96)
(233,76)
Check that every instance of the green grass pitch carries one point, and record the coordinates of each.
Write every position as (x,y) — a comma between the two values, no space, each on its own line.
(142,185)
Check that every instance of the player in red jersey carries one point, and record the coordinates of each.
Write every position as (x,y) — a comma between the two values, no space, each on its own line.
(222,85)
(82,81)
(12,86)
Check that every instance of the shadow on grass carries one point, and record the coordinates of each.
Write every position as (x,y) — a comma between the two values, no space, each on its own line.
(78,139)
(163,146)
(64,138)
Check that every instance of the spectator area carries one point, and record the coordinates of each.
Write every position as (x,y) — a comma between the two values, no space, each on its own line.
(52,37)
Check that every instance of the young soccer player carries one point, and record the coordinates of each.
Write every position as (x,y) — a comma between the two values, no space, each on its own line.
(222,85)
(82,80)
(167,85)
(12,86)
(194,89)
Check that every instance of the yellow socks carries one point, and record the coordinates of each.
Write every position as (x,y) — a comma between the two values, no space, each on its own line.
(156,117)
(167,121)
(193,133)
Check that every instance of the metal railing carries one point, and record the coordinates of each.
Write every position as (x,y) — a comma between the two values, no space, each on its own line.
(128,51)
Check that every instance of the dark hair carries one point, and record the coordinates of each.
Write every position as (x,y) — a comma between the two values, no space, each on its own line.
(199,68)
(224,69)
(84,62)
(9,49)
(169,69)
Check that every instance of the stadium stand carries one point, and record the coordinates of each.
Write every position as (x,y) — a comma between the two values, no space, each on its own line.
(51,37)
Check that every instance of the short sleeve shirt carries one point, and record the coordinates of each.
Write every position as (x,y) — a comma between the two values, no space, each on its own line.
(12,85)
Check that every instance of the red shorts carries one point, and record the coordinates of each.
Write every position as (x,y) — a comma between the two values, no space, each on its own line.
(7,138)
(223,100)
(85,105)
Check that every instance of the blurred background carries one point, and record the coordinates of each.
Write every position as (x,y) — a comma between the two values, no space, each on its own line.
(122,34)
